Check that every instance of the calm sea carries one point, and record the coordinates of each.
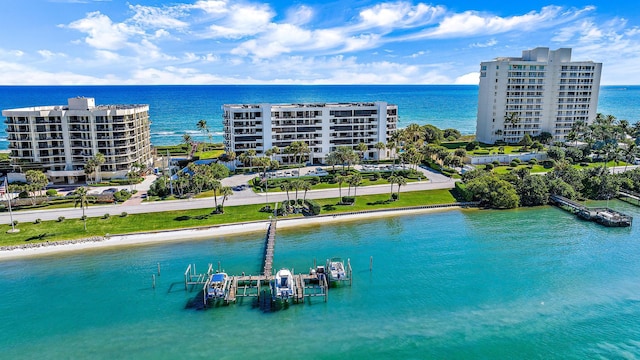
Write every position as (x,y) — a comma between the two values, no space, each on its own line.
(175,110)
(519,284)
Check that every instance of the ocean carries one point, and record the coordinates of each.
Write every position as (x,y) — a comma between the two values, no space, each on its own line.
(175,110)
(531,283)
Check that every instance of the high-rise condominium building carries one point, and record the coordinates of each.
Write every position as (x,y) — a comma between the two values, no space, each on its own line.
(323,127)
(63,138)
(541,91)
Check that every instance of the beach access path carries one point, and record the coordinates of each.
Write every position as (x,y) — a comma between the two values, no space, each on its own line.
(245,197)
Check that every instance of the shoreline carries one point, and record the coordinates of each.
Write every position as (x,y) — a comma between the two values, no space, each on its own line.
(149,238)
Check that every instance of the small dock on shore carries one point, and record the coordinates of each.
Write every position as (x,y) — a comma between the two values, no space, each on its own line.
(629,196)
(604,216)
(258,287)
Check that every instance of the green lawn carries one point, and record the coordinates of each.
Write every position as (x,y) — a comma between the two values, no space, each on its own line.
(380,201)
(505,169)
(366,181)
(209,154)
(71,229)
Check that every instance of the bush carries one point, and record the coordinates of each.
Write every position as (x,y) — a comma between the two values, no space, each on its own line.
(15,222)
(60,218)
(266,209)
(549,163)
(83,217)
(106,216)
(488,167)
(514,163)
(465,194)
(23,195)
(38,221)
(123,214)
(533,162)
(472,146)
(348,200)
(495,163)
(394,196)
(314,207)
(52,192)
(122,195)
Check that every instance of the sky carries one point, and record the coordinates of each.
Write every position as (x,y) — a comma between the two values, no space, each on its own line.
(112,42)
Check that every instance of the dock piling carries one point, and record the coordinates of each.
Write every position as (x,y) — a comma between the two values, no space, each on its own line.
(153,279)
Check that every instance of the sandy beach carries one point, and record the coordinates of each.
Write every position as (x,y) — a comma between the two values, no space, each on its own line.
(203,233)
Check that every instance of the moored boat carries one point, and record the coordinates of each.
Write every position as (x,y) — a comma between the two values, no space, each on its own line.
(284,285)
(217,287)
(336,269)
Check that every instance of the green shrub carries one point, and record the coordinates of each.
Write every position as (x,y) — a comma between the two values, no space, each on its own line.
(394,196)
(15,222)
(38,221)
(465,194)
(488,167)
(123,214)
(314,207)
(348,200)
(60,218)
(52,192)
(514,163)
(23,195)
(495,163)
(106,216)
(533,161)
(549,163)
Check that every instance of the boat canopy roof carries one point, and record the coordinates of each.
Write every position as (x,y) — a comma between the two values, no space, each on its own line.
(218,277)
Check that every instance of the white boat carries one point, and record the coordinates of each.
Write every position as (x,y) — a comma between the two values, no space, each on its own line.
(336,269)
(284,286)
(217,286)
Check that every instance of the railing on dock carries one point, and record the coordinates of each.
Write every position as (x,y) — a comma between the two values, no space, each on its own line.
(628,194)
(191,276)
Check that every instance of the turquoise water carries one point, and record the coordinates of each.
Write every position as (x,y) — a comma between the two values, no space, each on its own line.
(526,283)
(175,110)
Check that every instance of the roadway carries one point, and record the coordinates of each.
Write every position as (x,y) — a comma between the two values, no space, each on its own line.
(135,205)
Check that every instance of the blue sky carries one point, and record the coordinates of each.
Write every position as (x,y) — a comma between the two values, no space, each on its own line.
(103,42)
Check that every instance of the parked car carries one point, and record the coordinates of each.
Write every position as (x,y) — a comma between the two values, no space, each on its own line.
(110,191)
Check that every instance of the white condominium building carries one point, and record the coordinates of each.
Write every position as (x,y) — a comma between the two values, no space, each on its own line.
(63,138)
(323,127)
(542,91)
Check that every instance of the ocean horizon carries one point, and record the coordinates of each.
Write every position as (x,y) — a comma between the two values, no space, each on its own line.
(176,109)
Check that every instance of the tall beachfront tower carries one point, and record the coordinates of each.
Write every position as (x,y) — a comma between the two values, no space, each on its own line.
(62,138)
(542,91)
(323,127)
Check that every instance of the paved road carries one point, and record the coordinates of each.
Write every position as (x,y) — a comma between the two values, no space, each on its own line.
(244,197)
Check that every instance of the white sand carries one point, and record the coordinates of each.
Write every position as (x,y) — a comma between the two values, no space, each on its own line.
(201,233)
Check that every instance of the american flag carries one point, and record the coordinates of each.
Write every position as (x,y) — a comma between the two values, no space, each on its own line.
(3,187)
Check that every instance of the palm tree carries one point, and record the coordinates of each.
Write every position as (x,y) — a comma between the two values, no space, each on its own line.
(251,153)
(186,139)
(306,186)
(216,186)
(225,192)
(379,146)
(83,201)
(354,180)
(286,186)
(392,180)
(202,126)
(340,179)
(362,147)
(401,181)
(414,133)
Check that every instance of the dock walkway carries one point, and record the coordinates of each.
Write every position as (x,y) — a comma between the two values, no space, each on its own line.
(269,248)
(603,216)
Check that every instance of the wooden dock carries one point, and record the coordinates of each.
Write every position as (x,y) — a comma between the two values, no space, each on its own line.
(628,195)
(269,248)
(603,216)
(259,287)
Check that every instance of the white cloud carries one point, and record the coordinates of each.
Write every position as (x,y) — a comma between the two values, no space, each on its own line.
(154,17)
(472,78)
(47,54)
(472,23)
(102,33)
(240,20)
(488,43)
(399,15)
